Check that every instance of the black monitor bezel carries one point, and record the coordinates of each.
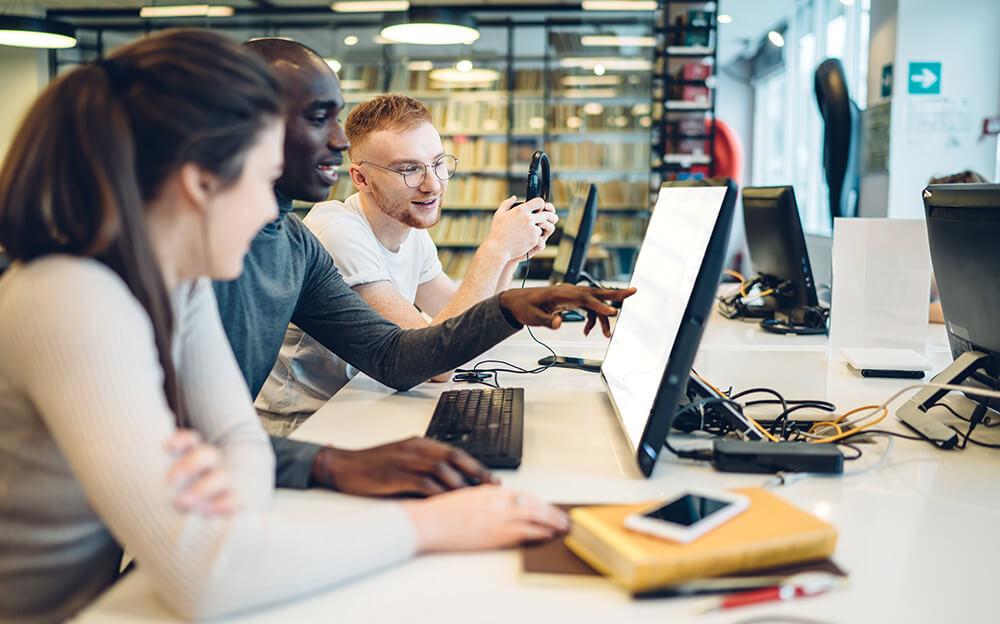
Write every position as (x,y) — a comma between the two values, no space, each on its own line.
(800,272)
(947,197)
(673,383)
(581,242)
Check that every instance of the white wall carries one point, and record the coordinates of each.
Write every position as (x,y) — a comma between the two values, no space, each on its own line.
(734,105)
(23,73)
(932,135)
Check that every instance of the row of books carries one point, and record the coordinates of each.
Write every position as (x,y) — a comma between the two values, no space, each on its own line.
(355,77)
(691,28)
(591,155)
(620,228)
(488,192)
(477,191)
(462,228)
(477,154)
(610,193)
(573,116)
(473,228)
(491,155)
(469,115)
(490,116)
(691,93)
(456,261)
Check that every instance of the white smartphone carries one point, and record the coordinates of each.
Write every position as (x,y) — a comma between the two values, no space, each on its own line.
(689,515)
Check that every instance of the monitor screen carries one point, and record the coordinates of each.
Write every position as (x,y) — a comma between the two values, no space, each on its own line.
(666,269)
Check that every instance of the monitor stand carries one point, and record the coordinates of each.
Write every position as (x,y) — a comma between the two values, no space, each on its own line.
(914,413)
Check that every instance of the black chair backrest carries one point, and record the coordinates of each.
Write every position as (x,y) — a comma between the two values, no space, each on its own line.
(841,138)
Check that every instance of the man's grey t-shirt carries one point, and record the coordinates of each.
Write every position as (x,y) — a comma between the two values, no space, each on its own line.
(289,277)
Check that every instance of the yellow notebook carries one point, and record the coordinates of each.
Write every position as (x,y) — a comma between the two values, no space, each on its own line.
(771,532)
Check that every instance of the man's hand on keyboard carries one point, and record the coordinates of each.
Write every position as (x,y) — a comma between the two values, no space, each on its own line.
(413,466)
(541,306)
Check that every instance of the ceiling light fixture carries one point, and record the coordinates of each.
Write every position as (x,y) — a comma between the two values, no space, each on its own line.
(351,40)
(433,26)
(615,40)
(724,18)
(370,6)
(464,66)
(334,64)
(619,5)
(35,32)
(186,10)
(776,38)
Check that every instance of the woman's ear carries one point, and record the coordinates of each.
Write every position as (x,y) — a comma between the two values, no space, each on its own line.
(197,185)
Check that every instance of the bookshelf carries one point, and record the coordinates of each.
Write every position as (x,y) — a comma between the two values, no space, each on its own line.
(684,90)
(597,107)
(596,126)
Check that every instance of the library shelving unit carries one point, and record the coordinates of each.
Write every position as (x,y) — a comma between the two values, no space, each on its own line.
(588,106)
(684,90)
(577,84)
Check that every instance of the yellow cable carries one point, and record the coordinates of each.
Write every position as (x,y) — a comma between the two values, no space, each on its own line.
(827,424)
(723,394)
(736,274)
(761,428)
(708,383)
(880,408)
(761,295)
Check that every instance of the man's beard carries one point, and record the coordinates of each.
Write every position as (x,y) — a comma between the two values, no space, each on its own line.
(400,210)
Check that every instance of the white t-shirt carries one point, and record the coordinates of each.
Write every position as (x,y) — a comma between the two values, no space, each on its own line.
(306,374)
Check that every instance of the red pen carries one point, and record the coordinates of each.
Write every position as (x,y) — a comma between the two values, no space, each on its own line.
(797,586)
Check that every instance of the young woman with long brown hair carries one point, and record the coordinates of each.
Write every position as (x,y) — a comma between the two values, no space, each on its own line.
(131,181)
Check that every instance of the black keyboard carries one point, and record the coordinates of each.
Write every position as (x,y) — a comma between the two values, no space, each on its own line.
(486,423)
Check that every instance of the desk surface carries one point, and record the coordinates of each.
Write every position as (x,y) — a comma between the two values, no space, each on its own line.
(917,535)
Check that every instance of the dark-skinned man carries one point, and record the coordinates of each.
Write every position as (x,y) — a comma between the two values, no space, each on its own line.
(289,277)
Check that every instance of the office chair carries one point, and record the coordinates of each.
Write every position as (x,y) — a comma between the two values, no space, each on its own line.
(841,138)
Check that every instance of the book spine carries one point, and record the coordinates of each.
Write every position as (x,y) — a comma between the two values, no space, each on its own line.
(810,546)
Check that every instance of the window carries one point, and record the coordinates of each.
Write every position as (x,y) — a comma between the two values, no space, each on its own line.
(788,130)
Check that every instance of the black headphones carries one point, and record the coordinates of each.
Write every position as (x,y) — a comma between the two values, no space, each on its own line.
(539,178)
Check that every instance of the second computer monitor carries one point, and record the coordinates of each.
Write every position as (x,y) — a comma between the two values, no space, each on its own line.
(777,244)
(571,256)
(649,358)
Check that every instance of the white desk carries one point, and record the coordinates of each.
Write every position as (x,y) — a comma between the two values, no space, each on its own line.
(918,535)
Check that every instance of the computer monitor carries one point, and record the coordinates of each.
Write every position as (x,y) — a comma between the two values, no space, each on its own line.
(648,361)
(963,230)
(571,255)
(777,244)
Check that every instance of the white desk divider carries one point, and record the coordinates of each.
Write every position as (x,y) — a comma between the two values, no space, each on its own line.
(881,285)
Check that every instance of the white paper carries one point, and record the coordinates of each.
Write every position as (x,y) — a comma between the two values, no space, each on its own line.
(881,284)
